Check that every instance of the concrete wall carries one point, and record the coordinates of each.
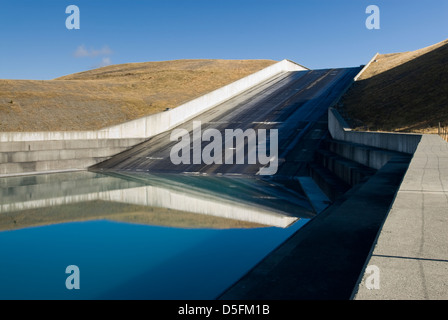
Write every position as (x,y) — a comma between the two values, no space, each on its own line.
(45,156)
(349,171)
(154,124)
(401,142)
(33,152)
(368,156)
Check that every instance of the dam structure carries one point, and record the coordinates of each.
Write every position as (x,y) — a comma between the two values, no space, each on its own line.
(342,184)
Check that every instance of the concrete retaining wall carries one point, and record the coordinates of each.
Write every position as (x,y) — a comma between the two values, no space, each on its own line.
(347,170)
(43,156)
(34,152)
(370,157)
(401,142)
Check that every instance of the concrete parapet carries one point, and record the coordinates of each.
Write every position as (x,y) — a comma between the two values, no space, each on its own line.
(34,167)
(400,142)
(64,154)
(46,145)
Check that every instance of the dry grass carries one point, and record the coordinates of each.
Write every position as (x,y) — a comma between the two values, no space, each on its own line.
(115,94)
(405,92)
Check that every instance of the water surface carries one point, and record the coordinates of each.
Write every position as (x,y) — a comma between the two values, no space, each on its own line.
(138,237)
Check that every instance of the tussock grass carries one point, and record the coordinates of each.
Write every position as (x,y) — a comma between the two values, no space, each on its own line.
(403,92)
(114,94)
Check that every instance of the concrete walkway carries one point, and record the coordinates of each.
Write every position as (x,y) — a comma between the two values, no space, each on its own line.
(411,253)
(403,235)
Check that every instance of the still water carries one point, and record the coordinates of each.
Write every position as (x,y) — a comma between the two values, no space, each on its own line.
(138,237)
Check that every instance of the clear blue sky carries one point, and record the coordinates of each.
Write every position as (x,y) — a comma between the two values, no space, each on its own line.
(35,43)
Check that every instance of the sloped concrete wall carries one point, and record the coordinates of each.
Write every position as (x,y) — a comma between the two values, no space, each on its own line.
(34,152)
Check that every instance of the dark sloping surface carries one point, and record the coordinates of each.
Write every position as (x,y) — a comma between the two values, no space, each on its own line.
(324,260)
(290,103)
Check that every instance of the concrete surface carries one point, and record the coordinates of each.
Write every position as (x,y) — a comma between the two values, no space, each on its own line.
(371,157)
(401,142)
(33,157)
(411,252)
(324,259)
(396,222)
(412,248)
(37,152)
(290,103)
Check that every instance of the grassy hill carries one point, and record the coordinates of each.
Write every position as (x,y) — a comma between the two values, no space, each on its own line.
(114,94)
(404,92)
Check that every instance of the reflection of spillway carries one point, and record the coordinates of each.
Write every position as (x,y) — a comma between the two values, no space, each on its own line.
(55,198)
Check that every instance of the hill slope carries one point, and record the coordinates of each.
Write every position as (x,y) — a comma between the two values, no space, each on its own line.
(114,94)
(406,92)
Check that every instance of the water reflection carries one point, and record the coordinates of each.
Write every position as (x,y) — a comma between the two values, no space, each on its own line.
(165,200)
(138,236)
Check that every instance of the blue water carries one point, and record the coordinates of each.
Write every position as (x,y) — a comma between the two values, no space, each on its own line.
(127,261)
(50,222)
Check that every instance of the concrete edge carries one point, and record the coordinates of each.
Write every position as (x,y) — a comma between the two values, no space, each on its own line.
(366,66)
(301,66)
(372,249)
(399,287)
(34,173)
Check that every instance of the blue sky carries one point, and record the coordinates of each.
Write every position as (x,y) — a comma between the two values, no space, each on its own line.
(35,43)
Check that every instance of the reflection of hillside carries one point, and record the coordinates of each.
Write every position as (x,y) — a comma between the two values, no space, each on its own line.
(177,202)
(120,212)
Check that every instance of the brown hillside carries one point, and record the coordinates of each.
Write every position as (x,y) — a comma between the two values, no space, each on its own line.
(114,94)
(115,211)
(406,92)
